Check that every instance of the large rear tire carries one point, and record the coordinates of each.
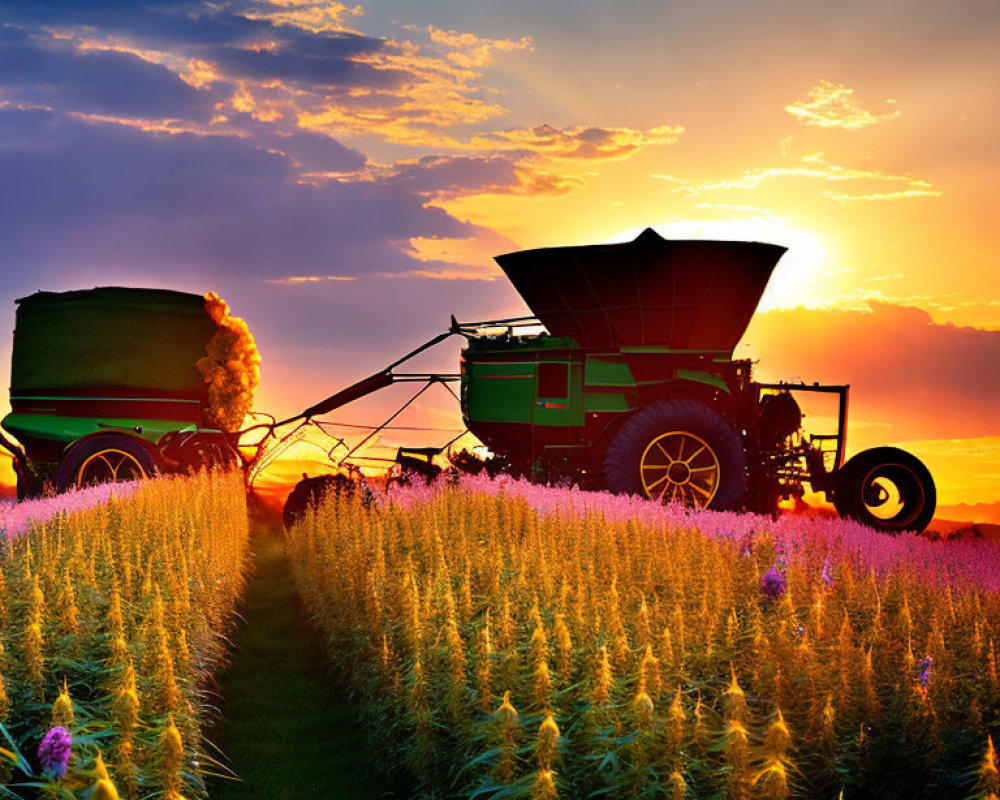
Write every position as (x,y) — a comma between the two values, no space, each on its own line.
(108,458)
(678,450)
(887,489)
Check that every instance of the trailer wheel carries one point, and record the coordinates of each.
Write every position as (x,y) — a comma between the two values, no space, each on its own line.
(678,450)
(887,489)
(110,458)
(311,492)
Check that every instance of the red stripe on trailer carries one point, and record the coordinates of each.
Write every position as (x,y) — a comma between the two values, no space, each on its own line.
(109,407)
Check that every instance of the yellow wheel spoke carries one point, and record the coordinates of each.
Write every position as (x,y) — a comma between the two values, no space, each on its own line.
(692,457)
(702,492)
(678,480)
(119,466)
(654,484)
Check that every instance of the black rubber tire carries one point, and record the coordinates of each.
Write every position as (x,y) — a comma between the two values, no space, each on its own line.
(899,467)
(310,493)
(142,452)
(621,463)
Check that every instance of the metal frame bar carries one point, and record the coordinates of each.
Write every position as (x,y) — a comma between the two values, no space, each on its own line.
(841,390)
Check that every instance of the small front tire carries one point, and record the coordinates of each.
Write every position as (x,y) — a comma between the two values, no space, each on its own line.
(887,489)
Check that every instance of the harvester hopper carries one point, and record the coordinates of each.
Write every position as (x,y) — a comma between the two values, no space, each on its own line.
(681,295)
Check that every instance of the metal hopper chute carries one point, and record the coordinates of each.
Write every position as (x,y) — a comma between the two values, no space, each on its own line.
(685,295)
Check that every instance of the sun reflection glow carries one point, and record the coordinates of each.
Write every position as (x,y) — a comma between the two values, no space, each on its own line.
(801,277)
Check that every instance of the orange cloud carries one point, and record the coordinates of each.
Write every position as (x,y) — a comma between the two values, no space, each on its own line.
(579,141)
(446,177)
(469,50)
(439,274)
(832,105)
(873,184)
(922,379)
(436,93)
(315,16)
(294,280)
(477,249)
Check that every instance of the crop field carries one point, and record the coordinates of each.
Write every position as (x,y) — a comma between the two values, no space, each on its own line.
(514,641)
(499,639)
(112,615)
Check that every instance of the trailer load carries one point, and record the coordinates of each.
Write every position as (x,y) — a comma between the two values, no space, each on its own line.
(115,383)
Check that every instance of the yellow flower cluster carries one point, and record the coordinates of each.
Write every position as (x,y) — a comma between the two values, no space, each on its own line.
(125,606)
(559,655)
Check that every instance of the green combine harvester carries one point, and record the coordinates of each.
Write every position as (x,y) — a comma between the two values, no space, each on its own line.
(624,380)
(106,386)
(633,387)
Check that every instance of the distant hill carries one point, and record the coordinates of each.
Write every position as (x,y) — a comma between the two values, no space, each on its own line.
(974,512)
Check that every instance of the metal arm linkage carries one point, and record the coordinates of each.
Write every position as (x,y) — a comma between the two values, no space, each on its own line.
(379,380)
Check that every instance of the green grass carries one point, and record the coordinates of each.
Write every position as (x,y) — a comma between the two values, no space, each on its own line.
(284,730)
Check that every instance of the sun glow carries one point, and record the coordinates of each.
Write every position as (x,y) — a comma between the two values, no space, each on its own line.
(801,277)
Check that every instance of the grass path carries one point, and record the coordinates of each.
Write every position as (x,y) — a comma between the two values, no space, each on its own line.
(284,732)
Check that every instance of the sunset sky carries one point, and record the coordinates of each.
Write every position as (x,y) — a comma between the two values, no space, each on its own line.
(344,175)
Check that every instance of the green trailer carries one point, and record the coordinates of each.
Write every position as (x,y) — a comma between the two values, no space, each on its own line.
(110,384)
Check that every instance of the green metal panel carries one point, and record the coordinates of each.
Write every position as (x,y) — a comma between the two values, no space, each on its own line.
(146,339)
(501,391)
(699,376)
(68,429)
(563,410)
(607,369)
(600,401)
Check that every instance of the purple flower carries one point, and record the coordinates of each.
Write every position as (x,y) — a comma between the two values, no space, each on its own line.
(924,676)
(746,549)
(773,584)
(826,577)
(55,750)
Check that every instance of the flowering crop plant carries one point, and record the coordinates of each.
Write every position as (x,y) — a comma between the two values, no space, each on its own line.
(111,619)
(509,640)
(16,518)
